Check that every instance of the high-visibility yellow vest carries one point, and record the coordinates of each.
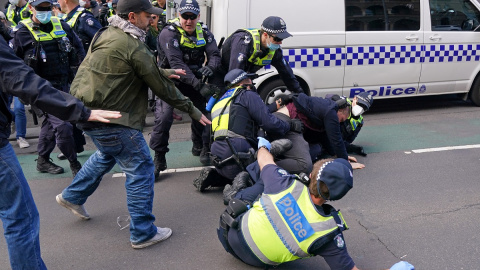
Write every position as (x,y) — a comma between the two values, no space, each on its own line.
(185,41)
(39,35)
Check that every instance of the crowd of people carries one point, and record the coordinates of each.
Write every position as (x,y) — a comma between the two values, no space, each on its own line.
(87,67)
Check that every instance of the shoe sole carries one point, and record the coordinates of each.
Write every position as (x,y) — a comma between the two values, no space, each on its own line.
(50,172)
(147,243)
(59,201)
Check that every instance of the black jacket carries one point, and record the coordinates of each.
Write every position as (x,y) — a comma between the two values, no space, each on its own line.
(19,80)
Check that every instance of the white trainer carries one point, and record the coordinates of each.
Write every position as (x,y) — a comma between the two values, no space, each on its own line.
(22,143)
(162,234)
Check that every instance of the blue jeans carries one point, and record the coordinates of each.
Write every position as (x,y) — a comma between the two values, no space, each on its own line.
(127,148)
(19,214)
(20,118)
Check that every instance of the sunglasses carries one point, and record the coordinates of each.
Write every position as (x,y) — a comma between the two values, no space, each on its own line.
(276,39)
(49,8)
(189,17)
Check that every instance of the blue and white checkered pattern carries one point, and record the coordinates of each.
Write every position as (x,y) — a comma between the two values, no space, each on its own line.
(381,55)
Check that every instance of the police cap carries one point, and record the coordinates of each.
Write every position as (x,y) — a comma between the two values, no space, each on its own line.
(365,100)
(275,26)
(338,177)
(189,6)
(235,76)
(35,3)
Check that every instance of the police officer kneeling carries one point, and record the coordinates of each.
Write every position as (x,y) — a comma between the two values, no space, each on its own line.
(291,212)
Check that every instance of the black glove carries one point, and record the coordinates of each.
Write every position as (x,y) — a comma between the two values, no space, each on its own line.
(208,90)
(296,125)
(283,99)
(357,149)
(205,71)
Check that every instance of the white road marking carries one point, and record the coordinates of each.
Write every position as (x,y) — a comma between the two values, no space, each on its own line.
(192,169)
(446,148)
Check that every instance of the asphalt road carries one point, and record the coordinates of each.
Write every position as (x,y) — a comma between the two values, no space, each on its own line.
(405,205)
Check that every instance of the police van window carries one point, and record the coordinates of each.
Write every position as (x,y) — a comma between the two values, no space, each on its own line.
(454,15)
(382,15)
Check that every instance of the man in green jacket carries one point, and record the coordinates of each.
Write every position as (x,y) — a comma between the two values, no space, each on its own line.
(115,75)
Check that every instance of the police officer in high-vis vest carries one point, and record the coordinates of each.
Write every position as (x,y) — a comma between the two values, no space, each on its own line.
(252,49)
(291,220)
(51,48)
(236,119)
(17,11)
(185,43)
(81,21)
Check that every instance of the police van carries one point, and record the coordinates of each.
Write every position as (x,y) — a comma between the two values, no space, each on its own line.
(389,48)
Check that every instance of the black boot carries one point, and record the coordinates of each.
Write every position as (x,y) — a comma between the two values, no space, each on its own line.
(241,181)
(196,150)
(75,166)
(45,165)
(160,163)
(205,156)
(209,177)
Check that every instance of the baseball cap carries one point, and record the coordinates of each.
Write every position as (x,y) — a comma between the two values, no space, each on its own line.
(35,3)
(338,177)
(189,6)
(365,100)
(127,6)
(275,26)
(235,76)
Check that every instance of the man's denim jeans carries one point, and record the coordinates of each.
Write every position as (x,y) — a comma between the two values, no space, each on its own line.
(127,148)
(19,214)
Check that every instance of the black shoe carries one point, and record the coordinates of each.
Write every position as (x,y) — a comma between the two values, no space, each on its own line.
(241,181)
(206,179)
(160,162)
(205,156)
(61,156)
(196,150)
(75,166)
(278,147)
(45,165)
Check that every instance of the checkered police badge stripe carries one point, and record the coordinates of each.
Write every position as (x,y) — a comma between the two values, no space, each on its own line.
(381,55)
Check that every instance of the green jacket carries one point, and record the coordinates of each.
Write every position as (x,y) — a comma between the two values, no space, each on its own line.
(116,74)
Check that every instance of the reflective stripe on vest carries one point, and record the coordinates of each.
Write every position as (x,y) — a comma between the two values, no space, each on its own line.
(75,16)
(11,13)
(355,122)
(257,51)
(57,31)
(281,227)
(221,111)
(185,40)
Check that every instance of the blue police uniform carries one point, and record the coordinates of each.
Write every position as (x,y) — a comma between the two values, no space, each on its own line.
(173,54)
(53,64)
(321,123)
(238,48)
(276,180)
(84,24)
(252,109)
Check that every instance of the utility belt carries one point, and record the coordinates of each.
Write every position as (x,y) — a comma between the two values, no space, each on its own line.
(242,159)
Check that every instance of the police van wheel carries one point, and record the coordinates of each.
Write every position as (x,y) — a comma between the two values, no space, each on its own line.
(475,92)
(272,89)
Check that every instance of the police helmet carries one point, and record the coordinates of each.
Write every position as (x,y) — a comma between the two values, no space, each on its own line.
(365,100)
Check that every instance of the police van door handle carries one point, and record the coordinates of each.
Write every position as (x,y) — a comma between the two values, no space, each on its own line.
(435,37)
(412,37)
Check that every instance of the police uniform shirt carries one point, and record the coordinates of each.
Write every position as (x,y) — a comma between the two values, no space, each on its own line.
(171,55)
(335,253)
(238,48)
(86,26)
(24,42)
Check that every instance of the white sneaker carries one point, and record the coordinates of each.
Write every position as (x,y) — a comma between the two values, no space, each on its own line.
(22,143)
(162,234)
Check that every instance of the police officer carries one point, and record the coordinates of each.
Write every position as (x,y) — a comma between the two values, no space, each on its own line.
(50,47)
(81,21)
(17,11)
(236,118)
(252,49)
(291,220)
(352,126)
(108,9)
(185,44)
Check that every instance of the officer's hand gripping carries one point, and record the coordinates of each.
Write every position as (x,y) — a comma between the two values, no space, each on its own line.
(296,125)
(206,71)
(262,142)
(208,90)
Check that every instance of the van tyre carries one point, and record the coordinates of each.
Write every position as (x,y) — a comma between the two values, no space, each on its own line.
(475,92)
(272,89)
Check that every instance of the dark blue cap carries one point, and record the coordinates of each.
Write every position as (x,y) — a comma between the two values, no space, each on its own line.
(365,100)
(189,6)
(275,26)
(338,177)
(38,2)
(235,76)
